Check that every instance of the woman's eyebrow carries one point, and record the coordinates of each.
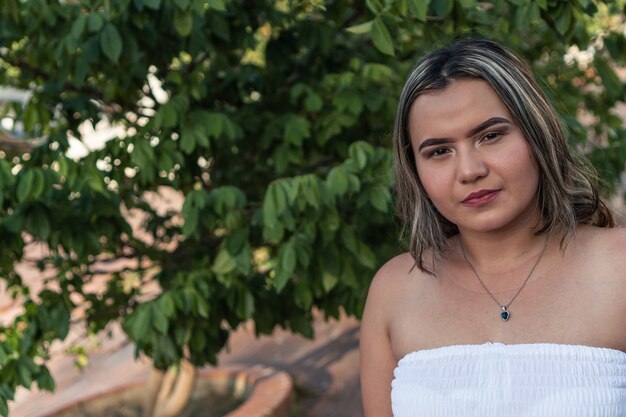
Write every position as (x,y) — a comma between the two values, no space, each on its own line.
(433,142)
(484,125)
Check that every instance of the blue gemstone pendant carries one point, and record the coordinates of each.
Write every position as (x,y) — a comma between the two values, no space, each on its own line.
(505,314)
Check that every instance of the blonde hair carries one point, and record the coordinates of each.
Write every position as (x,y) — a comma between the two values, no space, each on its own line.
(567,193)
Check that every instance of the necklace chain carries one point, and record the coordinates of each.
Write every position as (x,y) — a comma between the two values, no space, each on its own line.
(505,314)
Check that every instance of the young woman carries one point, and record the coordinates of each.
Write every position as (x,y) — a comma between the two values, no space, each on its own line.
(512,298)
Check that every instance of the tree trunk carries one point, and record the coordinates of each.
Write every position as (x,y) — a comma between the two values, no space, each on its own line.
(169,391)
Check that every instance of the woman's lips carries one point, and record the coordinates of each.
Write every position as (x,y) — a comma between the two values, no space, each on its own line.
(480,198)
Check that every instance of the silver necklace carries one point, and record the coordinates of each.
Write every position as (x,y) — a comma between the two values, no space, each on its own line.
(505,314)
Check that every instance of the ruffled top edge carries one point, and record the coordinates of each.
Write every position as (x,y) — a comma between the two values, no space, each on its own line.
(543,349)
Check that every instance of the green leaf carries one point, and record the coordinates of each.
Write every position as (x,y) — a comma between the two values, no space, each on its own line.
(337,181)
(39,183)
(191,222)
(216,124)
(3,356)
(219,26)
(301,325)
(297,128)
(534,13)
(111,42)
(218,5)
(286,265)
(313,102)
(381,37)
(564,20)
(4,407)
(182,335)
(349,240)
(361,28)
(38,224)
(187,140)
(182,4)
(402,7)
(466,4)
(95,22)
(329,280)
(168,114)
(330,222)
(612,84)
(45,380)
(159,321)
(231,130)
(24,374)
(183,22)
(297,91)
(31,116)
(290,188)
(375,6)
(166,303)
(153,4)
(270,212)
(202,307)
(419,8)
(25,185)
(366,256)
(224,262)
(348,277)
(245,307)
(443,7)
(380,197)
(279,195)
(303,295)
(78,26)
(288,257)
(139,322)
(16,17)
(198,341)
(359,152)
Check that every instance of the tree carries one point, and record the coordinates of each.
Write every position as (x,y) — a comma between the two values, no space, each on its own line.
(271,119)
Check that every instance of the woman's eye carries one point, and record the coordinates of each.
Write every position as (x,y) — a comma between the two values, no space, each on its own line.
(438,152)
(491,136)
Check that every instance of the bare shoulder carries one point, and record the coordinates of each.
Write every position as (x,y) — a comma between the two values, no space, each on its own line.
(604,253)
(386,291)
(393,274)
(607,243)
(377,360)
(604,258)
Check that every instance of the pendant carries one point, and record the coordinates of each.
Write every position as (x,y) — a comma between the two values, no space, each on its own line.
(505,314)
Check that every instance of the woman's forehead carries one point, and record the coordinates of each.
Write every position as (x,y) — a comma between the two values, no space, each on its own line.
(452,111)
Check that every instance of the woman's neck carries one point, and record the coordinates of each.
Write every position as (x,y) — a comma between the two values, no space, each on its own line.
(501,252)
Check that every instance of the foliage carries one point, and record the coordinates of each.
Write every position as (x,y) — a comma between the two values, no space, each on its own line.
(271,119)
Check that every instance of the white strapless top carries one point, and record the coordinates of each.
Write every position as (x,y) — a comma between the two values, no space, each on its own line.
(521,380)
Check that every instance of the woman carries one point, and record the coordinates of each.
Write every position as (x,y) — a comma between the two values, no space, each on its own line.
(512,298)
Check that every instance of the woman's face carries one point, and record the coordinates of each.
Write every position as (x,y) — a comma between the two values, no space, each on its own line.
(472,160)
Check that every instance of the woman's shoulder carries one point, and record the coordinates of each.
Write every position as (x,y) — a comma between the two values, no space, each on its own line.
(604,265)
(604,252)
(393,277)
(604,241)
(402,263)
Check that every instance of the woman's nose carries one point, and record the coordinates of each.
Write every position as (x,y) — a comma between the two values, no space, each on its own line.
(471,166)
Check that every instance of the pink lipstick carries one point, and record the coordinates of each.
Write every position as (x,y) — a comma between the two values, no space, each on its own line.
(480,198)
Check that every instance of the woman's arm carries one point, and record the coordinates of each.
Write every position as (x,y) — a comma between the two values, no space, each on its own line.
(376,356)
